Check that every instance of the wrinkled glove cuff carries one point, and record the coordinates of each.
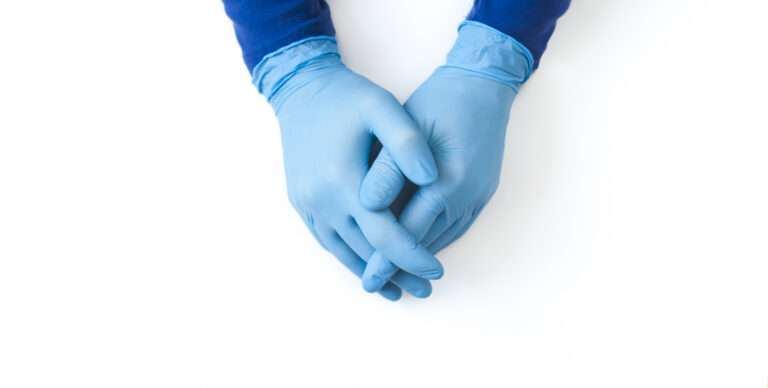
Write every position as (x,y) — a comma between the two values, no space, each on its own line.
(278,67)
(489,53)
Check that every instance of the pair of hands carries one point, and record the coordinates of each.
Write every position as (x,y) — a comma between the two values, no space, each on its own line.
(448,140)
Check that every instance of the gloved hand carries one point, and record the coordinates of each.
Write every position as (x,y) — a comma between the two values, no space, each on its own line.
(330,117)
(463,108)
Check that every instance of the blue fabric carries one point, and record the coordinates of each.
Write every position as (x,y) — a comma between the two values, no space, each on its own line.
(531,22)
(264,26)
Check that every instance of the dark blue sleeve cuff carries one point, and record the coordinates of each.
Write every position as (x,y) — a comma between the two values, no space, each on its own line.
(531,22)
(263,26)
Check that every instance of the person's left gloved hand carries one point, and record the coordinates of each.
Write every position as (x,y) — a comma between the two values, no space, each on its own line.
(329,117)
(464,109)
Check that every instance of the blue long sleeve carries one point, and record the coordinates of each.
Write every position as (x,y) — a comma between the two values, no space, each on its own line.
(263,26)
(531,22)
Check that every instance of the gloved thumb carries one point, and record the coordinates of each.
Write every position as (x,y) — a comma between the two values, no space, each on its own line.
(405,152)
(404,141)
(382,183)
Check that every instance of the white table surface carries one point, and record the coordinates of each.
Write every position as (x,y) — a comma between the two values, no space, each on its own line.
(146,239)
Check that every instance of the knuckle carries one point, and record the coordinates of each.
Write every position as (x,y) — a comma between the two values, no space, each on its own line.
(374,98)
(324,187)
(333,177)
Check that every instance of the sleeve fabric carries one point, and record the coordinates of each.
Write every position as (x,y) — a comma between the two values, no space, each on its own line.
(264,26)
(531,22)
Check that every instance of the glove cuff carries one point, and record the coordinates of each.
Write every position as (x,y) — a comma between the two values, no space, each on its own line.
(489,53)
(278,67)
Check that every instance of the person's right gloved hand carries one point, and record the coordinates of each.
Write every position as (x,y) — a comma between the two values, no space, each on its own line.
(330,117)
(463,107)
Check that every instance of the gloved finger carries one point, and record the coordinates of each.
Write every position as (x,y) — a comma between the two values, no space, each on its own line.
(439,227)
(422,211)
(331,240)
(377,272)
(450,235)
(397,207)
(354,238)
(386,235)
(418,216)
(414,285)
(391,292)
(351,234)
(453,234)
(382,183)
(400,135)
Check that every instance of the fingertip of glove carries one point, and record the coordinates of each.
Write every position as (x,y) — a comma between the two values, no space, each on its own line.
(432,274)
(373,283)
(392,294)
(420,292)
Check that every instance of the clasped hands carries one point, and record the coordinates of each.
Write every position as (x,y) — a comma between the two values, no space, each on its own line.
(446,142)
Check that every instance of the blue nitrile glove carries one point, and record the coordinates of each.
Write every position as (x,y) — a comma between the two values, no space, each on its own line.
(330,117)
(463,108)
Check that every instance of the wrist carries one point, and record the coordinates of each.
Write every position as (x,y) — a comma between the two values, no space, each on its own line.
(276,72)
(485,52)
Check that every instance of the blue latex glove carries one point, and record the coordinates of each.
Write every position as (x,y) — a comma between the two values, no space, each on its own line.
(330,117)
(463,108)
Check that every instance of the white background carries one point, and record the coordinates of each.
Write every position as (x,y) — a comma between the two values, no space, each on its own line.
(146,239)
